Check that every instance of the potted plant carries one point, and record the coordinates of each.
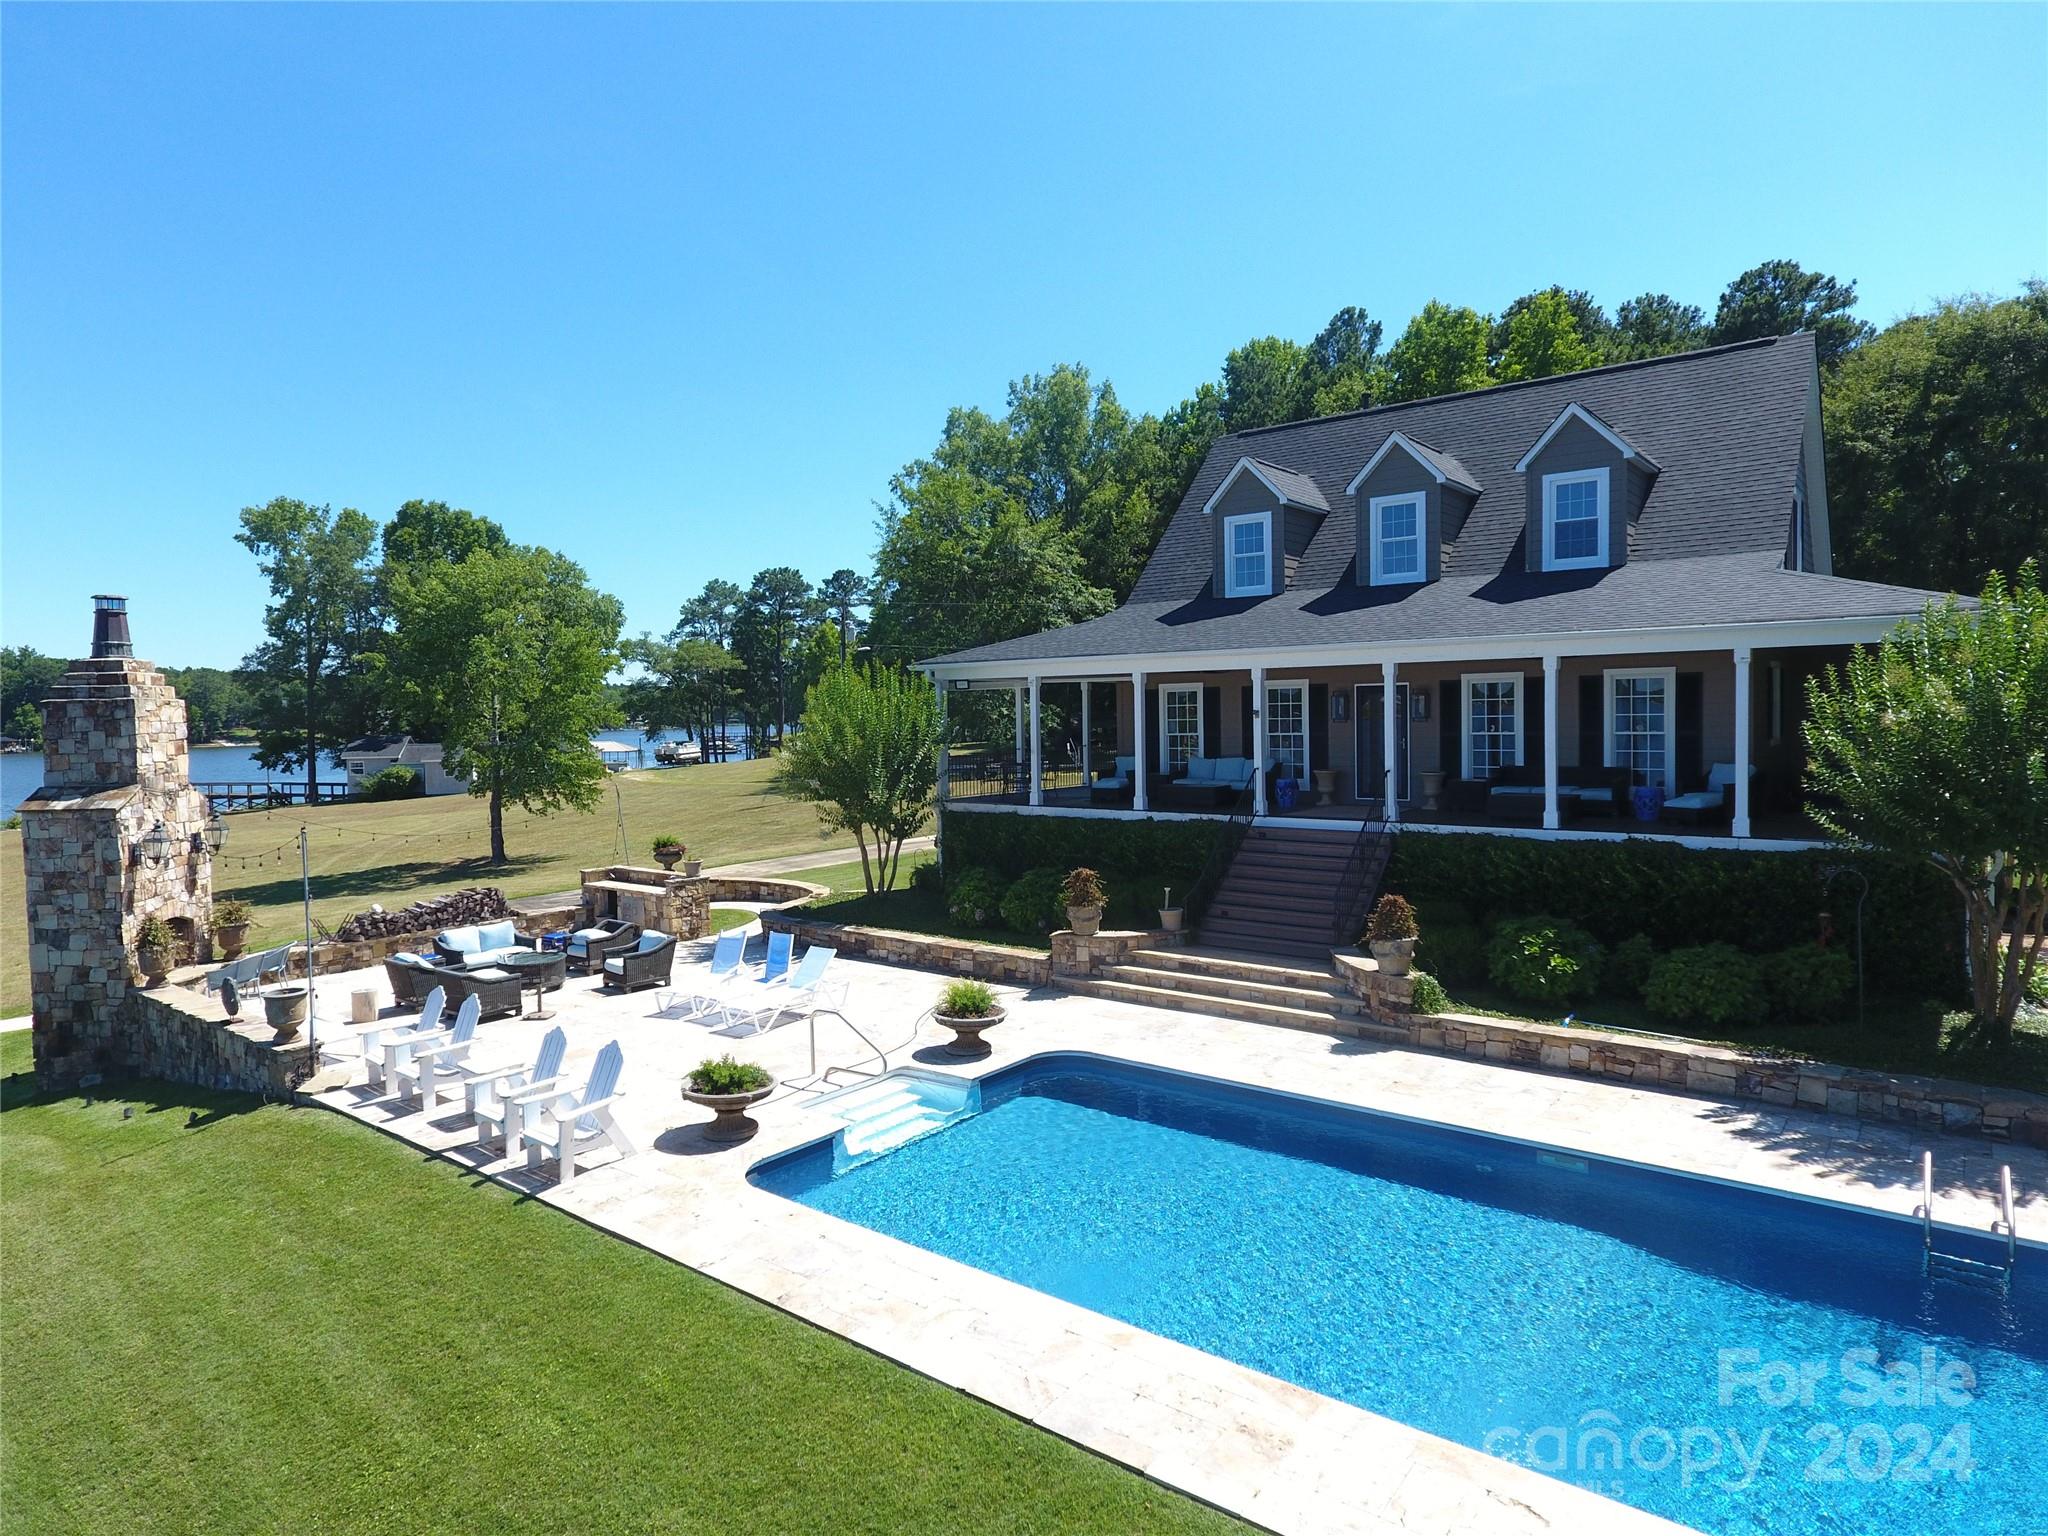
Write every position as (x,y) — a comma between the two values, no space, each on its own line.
(1170,916)
(968,1008)
(668,848)
(284,1009)
(230,921)
(1082,892)
(154,943)
(728,1089)
(1391,934)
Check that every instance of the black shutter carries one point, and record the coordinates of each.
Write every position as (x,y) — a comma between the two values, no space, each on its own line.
(1690,771)
(1592,722)
(1450,720)
(1532,719)
(1155,738)
(1212,719)
(1244,721)
(1318,725)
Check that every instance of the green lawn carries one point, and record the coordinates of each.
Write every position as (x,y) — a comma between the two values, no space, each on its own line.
(903,906)
(400,851)
(277,1319)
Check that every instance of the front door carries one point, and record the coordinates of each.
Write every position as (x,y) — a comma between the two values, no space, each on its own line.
(1370,785)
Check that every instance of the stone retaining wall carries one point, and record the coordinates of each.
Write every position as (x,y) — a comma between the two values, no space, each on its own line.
(783,894)
(1073,955)
(955,957)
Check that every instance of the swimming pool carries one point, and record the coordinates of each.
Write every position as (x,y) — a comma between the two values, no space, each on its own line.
(1737,1361)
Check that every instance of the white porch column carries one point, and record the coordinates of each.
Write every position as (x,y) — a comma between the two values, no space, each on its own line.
(1550,671)
(1740,826)
(1139,763)
(1086,689)
(1017,701)
(1390,702)
(1258,741)
(1037,752)
(945,756)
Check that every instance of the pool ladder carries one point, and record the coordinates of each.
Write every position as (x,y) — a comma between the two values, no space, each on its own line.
(1953,1266)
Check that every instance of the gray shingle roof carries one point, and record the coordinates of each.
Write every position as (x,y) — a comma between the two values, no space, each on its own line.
(1725,425)
(1749,586)
(1457,474)
(1292,483)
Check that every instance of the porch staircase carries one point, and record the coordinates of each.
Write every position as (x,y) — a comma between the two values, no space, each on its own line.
(1290,888)
(1230,985)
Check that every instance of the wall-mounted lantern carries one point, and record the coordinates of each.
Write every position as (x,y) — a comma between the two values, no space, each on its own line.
(156,846)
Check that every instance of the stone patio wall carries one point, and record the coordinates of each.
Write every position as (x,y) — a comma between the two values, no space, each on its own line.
(1073,955)
(955,957)
(784,894)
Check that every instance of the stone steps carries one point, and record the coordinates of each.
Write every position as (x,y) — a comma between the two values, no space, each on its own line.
(1249,987)
(1327,997)
(1321,1020)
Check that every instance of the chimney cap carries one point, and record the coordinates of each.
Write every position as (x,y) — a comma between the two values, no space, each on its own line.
(110,626)
(109,602)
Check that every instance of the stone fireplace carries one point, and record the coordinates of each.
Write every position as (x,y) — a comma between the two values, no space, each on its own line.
(116,834)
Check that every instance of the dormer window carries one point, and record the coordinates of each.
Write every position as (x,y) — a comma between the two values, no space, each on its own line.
(1397,523)
(1248,555)
(1575,520)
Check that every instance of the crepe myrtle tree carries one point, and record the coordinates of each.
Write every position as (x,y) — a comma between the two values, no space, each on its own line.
(1935,745)
(867,756)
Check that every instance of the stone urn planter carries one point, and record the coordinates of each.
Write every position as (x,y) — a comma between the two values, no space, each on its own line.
(1432,788)
(232,938)
(731,1121)
(1395,956)
(284,1009)
(154,963)
(967,1031)
(1085,921)
(668,858)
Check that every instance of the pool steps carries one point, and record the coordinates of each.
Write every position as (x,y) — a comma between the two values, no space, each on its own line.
(895,1108)
(1250,987)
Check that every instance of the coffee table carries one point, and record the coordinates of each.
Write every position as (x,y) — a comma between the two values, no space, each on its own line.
(541,970)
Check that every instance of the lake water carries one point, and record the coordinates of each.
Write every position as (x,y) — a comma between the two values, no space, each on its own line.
(21,773)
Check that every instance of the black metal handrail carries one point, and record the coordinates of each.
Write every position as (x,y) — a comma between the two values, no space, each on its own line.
(1348,910)
(1222,850)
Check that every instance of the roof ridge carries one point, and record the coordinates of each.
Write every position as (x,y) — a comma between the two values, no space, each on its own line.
(1494,389)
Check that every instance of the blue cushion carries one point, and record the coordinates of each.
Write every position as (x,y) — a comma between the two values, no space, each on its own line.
(498,936)
(1232,770)
(461,940)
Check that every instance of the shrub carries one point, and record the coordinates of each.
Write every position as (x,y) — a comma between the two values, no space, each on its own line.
(1033,903)
(1152,853)
(1807,984)
(231,912)
(1392,918)
(1713,986)
(967,1000)
(155,933)
(928,877)
(397,782)
(668,842)
(728,1076)
(1454,953)
(1628,966)
(1543,960)
(975,899)
(1426,994)
(1082,888)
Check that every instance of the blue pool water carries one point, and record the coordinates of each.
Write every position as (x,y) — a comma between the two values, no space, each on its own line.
(1630,1330)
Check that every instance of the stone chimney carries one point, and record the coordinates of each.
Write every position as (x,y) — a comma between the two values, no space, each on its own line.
(114,769)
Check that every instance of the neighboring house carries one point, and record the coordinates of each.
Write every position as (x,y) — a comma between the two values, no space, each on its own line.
(371,755)
(1571,588)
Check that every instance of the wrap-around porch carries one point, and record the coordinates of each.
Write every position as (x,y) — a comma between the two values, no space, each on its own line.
(1546,744)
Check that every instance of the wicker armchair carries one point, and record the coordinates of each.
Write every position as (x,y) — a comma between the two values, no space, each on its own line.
(411,977)
(590,947)
(646,964)
(496,995)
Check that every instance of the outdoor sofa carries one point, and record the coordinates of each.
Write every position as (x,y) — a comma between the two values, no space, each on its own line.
(1211,780)
(1516,793)
(646,964)
(480,943)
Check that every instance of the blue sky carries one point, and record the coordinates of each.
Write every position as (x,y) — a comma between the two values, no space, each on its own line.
(676,289)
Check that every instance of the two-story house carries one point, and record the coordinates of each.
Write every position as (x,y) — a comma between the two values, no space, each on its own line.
(1568,608)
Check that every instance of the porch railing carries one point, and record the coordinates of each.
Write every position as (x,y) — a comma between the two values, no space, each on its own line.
(1222,850)
(1369,853)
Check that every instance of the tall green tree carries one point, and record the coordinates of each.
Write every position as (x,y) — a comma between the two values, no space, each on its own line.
(1442,352)
(710,617)
(310,673)
(683,684)
(1559,305)
(1780,297)
(1267,381)
(26,677)
(778,608)
(867,757)
(216,701)
(1542,338)
(1937,442)
(1934,746)
(1656,325)
(1345,371)
(510,649)
(422,531)
(839,595)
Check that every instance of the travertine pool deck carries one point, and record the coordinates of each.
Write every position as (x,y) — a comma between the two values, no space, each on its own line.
(1274,1453)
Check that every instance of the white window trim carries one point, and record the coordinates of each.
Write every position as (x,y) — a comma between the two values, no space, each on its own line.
(1166,690)
(1597,477)
(1420,501)
(1669,676)
(1465,682)
(1264,723)
(1230,586)
(1577,412)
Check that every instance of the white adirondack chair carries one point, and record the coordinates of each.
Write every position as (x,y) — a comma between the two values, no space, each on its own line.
(802,995)
(490,1089)
(434,1061)
(576,1123)
(378,1037)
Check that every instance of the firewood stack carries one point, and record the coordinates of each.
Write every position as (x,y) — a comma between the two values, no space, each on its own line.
(458,909)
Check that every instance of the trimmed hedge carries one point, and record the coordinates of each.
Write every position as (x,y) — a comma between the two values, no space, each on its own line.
(1160,853)
(1681,897)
